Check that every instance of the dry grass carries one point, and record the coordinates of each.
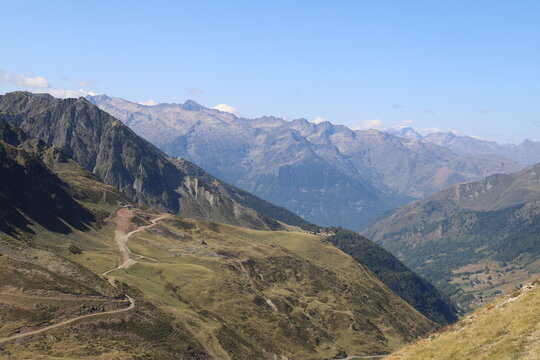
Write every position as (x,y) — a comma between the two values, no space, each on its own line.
(509,329)
(318,290)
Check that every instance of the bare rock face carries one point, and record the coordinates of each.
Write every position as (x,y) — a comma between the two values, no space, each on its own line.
(118,157)
(328,174)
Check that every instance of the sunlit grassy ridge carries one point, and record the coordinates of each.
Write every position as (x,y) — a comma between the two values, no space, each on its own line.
(508,328)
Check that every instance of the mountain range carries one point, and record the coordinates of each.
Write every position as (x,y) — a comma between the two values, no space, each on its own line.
(525,153)
(325,173)
(200,269)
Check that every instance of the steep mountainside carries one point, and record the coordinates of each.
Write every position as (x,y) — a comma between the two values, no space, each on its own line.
(474,239)
(505,329)
(120,158)
(328,174)
(194,290)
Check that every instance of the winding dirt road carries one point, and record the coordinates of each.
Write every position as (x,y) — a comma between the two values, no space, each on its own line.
(121,237)
(67,322)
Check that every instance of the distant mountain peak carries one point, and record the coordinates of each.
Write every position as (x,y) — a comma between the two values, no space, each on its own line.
(192,105)
(405,131)
(96,99)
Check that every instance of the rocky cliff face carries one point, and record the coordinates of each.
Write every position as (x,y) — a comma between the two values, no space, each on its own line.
(328,174)
(118,157)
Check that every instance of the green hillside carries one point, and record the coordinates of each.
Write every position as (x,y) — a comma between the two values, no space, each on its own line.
(475,240)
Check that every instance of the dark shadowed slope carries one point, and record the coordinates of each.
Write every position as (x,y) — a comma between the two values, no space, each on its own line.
(30,191)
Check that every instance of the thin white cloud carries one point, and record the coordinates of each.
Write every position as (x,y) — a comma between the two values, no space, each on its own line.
(405,123)
(225,108)
(86,83)
(66,93)
(195,91)
(25,81)
(370,124)
(318,120)
(148,103)
(483,138)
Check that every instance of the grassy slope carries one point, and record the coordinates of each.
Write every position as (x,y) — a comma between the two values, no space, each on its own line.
(194,299)
(508,328)
(227,290)
(412,288)
(216,294)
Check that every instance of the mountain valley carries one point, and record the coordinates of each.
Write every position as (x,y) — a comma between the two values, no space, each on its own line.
(234,268)
(270,180)
(219,288)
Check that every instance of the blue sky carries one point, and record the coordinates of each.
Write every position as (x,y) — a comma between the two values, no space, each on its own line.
(472,66)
